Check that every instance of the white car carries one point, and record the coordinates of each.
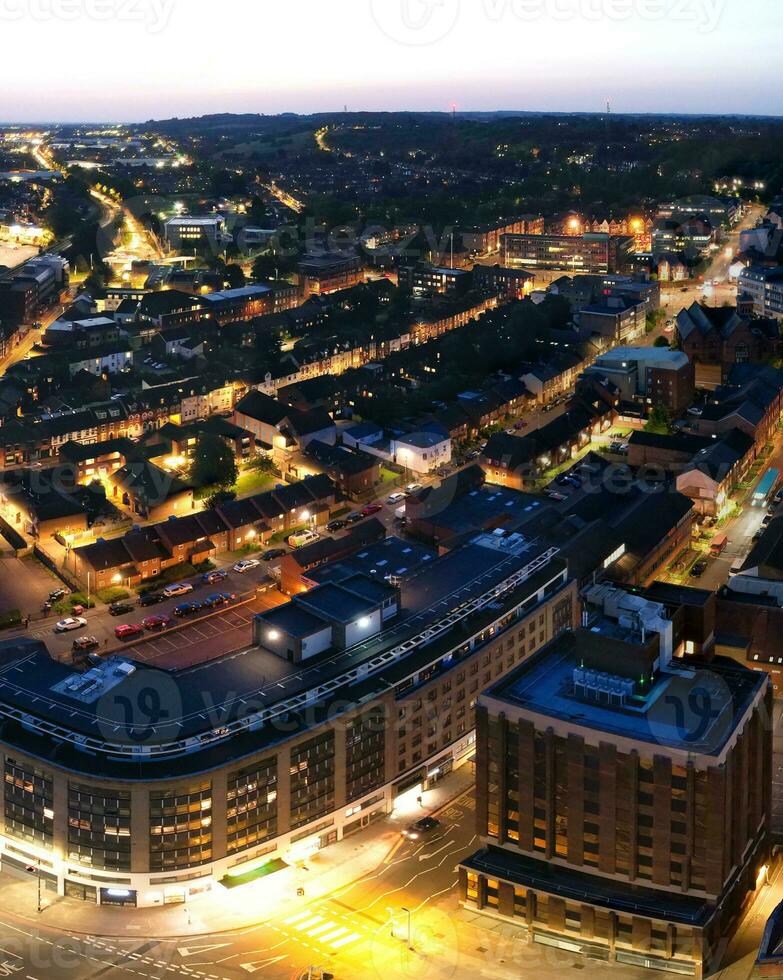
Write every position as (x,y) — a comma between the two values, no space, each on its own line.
(177,588)
(246,565)
(69,624)
(414,488)
(303,538)
(397,498)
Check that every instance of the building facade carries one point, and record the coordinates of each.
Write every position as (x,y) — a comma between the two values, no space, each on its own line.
(117,808)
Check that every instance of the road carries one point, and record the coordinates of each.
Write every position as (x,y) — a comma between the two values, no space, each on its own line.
(739,531)
(24,348)
(356,931)
(678,296)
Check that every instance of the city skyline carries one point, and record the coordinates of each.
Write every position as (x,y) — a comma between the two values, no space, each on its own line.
(415,55)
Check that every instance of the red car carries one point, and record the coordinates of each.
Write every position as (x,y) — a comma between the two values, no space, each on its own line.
(153,623)
(128,632)
(371,509)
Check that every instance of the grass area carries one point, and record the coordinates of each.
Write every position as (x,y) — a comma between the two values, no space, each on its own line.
(254,481)
(389,476)
(111,595)
(67,605)
(282,536)
(169,576)
(10,618)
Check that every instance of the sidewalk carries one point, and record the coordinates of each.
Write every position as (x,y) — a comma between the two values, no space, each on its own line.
(228,910)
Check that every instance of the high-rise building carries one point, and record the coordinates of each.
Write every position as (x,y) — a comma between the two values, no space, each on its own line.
(623,793)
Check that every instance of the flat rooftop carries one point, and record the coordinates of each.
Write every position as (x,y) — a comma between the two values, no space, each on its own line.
(694,711)
(201,707)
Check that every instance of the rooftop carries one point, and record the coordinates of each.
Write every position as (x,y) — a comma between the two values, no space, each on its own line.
(544,685)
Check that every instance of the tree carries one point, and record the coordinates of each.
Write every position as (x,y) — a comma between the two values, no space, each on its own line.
(660,421)
(213,463)
(661,342)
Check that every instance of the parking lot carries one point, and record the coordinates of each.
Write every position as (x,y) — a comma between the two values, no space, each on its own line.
(206,638)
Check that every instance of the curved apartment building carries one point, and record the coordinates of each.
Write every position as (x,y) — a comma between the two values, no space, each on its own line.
(135,786)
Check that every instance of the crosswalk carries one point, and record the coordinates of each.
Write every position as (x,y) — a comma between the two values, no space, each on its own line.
(322,930)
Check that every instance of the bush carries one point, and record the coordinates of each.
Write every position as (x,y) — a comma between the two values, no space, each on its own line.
(112,595)
(179,573)
(10,618)
(65,606)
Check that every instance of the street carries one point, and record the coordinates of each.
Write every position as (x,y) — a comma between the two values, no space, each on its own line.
(359,929)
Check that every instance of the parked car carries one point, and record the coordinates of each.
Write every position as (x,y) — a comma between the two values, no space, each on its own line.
(129,631)
(177,588)
(230,596)
(151,599)
(187,609)
(302,538)
(396,498)
(57,595)
(354,518)
(421,828)
(212,578)
(334,526)
(246,565)
(273,554)
(70,623)
(699,569)
(86,643)
(215,601)
(155,623)
(371,509)
(414,487)
(120,609)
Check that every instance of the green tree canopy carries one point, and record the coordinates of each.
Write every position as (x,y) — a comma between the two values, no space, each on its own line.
(213,463)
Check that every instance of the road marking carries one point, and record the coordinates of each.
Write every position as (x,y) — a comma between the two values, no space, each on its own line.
(302,926)
(260,964)
(333,935)
(185,951)
(345,940)
(296,918)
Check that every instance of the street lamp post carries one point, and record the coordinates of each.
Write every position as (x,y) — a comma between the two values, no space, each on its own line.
(410,939)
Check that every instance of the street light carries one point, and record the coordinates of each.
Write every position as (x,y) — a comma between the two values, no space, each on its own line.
(410,940)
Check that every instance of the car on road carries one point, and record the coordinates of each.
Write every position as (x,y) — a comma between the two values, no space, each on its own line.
(371,509)
(151,599)
(421,828)
(120,609)
(57,595)
(155,623)
(187,609)
(176,589)
(129,631)
(273,554)
(86,643)
(354,518)
(212,578)
(302,538)
(334,526)
(698,569)
(554,495)
(246,565)
(414,487)
(397,498)
(70,623)
(230,596)
(473,454)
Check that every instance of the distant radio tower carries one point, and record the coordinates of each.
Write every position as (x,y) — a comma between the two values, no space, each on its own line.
(608,108)
(454,112)
(345,108)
